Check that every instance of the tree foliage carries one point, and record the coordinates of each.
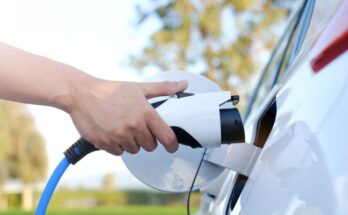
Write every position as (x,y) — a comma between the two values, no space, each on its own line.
(22,151)
(219,38)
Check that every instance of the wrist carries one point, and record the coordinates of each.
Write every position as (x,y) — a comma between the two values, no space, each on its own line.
(75,83)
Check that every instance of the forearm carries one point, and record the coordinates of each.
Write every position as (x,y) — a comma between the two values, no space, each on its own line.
(29,78)
(114,116)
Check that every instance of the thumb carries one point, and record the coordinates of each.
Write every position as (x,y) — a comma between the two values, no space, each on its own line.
(164,88)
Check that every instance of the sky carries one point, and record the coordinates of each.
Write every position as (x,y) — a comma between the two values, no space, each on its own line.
(93,36)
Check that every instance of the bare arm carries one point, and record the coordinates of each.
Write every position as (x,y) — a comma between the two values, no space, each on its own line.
(28,78)
(114,116)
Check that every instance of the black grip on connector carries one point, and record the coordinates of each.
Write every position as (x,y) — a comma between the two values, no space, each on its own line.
(185,138)
(78,150)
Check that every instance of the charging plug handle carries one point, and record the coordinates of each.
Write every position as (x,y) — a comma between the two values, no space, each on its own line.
(78,150)
(232,131)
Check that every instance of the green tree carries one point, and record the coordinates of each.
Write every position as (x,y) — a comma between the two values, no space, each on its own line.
(24,155)
(219,38)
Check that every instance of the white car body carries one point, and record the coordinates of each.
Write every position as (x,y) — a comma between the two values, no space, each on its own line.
(301,127)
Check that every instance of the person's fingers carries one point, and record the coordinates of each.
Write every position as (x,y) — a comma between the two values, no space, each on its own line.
(163,88)
(162,132)
(111,147)
(130,146)
(146,140)
(116,149)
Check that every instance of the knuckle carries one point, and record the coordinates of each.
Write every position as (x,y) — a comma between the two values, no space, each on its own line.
(147,111)
(119,134)
(132,124)
(152,116)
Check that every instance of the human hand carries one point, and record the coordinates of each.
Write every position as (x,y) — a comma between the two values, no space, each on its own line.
(116,116)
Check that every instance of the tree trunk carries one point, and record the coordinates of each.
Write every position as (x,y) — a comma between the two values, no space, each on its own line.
(27,197)
(3,201)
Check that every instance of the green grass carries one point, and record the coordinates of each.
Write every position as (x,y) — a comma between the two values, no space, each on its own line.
(122,210)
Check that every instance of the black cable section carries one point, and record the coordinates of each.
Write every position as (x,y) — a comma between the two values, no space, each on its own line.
(193,183)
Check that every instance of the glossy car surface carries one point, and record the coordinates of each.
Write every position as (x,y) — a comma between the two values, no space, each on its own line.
(298,116)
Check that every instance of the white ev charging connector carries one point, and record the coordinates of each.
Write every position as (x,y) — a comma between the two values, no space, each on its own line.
(203,120)
(202,117)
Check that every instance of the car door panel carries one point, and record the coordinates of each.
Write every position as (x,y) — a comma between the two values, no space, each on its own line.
(306,152)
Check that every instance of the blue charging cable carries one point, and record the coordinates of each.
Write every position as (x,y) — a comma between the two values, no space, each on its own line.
(72,155)
(51,186)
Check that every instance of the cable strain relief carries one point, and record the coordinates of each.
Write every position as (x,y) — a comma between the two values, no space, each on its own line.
(78,150)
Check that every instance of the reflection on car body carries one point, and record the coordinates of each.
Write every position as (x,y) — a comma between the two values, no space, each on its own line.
(303,167)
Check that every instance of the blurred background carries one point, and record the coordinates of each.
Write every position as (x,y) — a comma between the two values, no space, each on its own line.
(229,41)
